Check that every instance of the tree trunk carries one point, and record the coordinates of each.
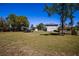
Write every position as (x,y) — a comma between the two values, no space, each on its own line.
(62,19)
(71,18)
(73,31)
(62,25)
(72,27)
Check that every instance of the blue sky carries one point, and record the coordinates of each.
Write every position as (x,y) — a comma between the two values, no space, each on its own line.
(33,11)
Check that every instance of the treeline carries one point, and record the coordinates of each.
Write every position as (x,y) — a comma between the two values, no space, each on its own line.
(13,23)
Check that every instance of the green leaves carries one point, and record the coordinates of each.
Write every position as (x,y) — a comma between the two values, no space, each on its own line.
(65,10)
(17,20)
(22,20)
(40,26)
(56,8)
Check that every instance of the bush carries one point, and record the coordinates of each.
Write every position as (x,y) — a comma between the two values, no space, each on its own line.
(74,32)
(56,31)
(68,29)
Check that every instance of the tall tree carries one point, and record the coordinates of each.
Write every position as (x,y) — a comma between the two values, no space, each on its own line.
(59,9)
(16,22)
(11,19)
(72,8)
(64,10)
(3,24)
(22,21)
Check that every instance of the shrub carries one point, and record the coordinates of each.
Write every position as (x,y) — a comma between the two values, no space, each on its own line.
(74,32)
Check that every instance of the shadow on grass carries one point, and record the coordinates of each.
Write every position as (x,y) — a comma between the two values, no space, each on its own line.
(50,34)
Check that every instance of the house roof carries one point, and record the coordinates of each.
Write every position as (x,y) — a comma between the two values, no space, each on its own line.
(51,24)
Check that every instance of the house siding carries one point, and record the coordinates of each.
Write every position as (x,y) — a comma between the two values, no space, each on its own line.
(51,28)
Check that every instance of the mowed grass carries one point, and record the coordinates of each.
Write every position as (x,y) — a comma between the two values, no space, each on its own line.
(36,43)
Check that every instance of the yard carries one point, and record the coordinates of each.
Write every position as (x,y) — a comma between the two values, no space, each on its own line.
(37,43)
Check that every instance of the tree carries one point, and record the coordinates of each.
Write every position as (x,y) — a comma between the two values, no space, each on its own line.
(11,19)
(59,9)
(22,22)
(72,8)
(77,25)
(17,22)
(64,10)
(40,26)
(3,24)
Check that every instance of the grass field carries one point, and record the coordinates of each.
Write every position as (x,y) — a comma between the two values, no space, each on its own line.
(36,43)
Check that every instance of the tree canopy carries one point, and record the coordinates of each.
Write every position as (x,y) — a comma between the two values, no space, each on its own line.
(14,22)
(64,10)
(41,26)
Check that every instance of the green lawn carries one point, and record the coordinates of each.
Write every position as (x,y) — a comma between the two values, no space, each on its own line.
(38,43)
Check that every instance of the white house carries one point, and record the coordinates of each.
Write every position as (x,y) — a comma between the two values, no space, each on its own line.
(36,29)
(51,27)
